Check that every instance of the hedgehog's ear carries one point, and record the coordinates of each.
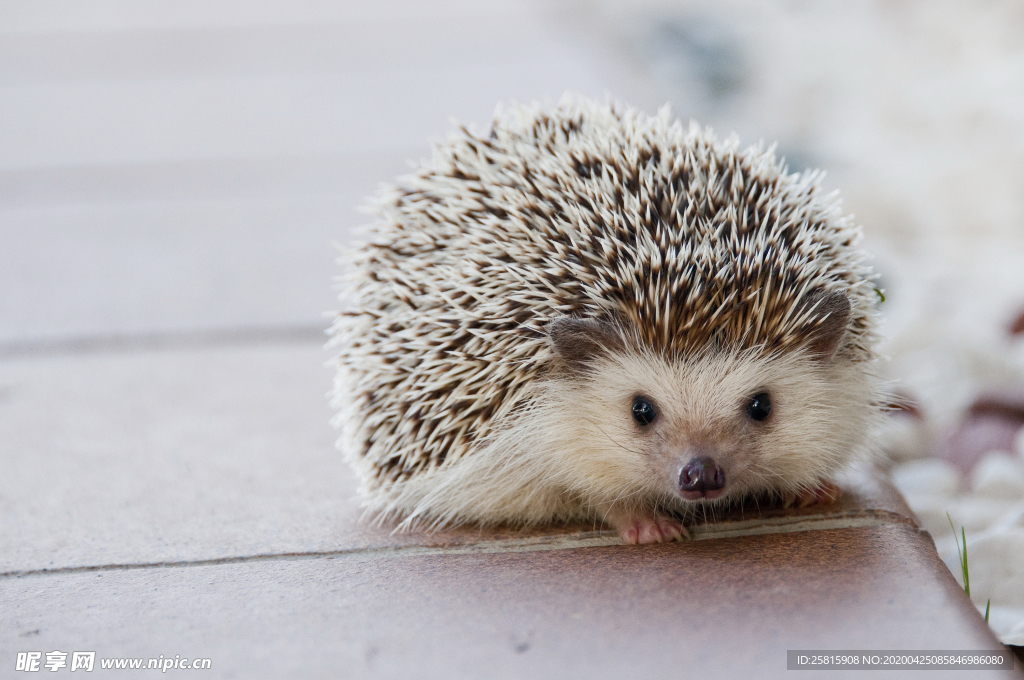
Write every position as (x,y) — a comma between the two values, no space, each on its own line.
(829,315)
(577,342)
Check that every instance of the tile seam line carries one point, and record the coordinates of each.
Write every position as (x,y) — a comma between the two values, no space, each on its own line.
(591,539)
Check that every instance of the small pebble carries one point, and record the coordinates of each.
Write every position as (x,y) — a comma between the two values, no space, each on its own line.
(973,512)
(999,476)
(996,562)
(1006,622)
(933,476)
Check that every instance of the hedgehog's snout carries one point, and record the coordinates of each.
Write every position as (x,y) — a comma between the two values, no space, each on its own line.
(701,478)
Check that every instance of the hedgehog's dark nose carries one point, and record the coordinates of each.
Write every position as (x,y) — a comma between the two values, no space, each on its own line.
(701,478)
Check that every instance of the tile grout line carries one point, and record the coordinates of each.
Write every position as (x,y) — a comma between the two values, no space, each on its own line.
(588,539)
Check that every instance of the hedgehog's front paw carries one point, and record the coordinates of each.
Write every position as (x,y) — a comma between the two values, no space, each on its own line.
(650,529)
(823,493)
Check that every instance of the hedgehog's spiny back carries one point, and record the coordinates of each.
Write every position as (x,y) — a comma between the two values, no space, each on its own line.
(579,211)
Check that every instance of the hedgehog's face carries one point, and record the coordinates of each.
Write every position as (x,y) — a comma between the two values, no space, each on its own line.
(702,475)
(716,426)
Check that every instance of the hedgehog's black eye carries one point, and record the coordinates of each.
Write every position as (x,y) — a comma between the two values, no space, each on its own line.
(760,406)
(643,411)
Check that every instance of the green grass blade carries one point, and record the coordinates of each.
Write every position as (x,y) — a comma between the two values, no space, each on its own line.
(967,578)
(962,554)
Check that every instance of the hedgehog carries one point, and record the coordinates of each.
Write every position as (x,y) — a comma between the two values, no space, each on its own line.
(590,314)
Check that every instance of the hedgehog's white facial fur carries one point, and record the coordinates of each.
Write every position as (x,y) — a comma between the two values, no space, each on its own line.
(820,411)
